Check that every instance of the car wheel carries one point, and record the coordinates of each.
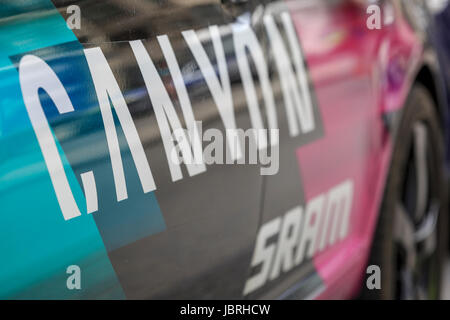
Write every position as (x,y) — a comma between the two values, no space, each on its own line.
(410,241)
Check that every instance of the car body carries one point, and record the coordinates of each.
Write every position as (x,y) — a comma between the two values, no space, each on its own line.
(86,177)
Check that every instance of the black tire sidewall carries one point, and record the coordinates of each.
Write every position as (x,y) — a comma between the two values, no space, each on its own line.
(419,108)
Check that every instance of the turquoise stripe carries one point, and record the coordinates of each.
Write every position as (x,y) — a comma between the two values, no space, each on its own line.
(36,243)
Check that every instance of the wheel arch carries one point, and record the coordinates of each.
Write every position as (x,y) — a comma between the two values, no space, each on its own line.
(430,77)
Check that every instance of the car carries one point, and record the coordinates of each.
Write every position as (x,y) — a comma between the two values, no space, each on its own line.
(205,149)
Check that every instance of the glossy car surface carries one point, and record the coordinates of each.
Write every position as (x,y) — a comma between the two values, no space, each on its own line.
(71,99)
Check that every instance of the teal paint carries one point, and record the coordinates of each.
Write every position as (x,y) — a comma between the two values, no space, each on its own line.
(36,243)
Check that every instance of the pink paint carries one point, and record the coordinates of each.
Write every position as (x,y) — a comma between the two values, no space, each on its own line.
(358,75)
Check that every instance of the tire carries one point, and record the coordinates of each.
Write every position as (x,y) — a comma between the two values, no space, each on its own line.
(413,214)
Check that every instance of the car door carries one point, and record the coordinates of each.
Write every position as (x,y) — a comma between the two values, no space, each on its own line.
(132,222)
(208,218)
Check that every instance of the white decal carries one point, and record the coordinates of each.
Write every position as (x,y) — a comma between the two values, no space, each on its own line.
(245,40)
(90,191)
(107,88)
(185,145)
(165,113)
(263,255)
(307,240)
(287,242)
(220,90)
(35,74)
(183,97)
(295,89)
(299,231)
